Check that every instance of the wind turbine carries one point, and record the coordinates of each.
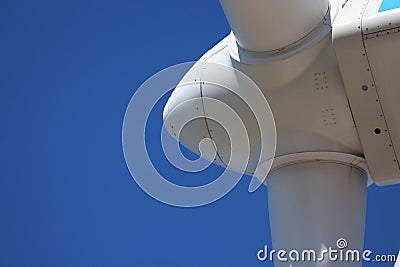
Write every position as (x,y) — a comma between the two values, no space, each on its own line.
(329,71)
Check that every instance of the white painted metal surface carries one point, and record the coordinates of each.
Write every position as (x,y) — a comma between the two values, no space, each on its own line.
(313,204)
(217,86)
(272,25)
(346,159)
(308,95)
(305,93)
(367,47)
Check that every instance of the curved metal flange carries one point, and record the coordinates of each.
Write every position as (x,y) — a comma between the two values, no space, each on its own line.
(342,158)
(245,56)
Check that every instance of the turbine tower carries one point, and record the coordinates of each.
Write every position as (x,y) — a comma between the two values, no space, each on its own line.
(329,71)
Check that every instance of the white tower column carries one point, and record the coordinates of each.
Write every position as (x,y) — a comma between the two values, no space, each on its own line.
(312,205)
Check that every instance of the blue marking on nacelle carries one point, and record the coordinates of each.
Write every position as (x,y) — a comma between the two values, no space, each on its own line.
(389,5)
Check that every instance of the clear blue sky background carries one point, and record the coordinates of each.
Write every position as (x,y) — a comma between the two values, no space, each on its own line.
(67,72)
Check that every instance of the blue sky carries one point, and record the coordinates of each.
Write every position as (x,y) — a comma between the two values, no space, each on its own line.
(68,71)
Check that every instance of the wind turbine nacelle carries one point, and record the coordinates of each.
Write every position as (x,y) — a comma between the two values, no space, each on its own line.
(367,48)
